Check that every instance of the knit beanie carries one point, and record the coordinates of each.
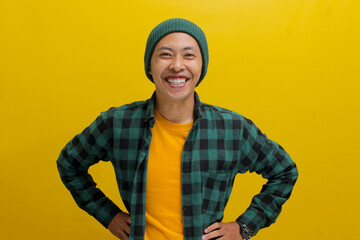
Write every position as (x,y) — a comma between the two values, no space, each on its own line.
(176,25)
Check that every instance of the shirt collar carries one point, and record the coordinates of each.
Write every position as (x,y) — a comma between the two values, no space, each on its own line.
(197,108)
(150,109)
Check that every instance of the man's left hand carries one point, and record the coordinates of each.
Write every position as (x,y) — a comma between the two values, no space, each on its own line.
(224,231)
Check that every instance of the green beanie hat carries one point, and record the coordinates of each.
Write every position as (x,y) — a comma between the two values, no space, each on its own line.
(176,25)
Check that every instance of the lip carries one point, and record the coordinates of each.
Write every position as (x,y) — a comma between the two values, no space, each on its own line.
(176,76)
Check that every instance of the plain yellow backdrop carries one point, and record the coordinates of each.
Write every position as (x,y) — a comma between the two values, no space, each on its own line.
(292,66)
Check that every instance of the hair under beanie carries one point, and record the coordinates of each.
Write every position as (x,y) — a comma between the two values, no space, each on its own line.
(176,25)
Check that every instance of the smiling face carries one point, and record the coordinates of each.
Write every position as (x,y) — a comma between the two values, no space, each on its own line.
(175,66)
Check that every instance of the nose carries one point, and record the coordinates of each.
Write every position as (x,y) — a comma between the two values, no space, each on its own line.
(177,64)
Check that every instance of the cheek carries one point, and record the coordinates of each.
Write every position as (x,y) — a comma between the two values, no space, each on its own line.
(198,68)
(157,68)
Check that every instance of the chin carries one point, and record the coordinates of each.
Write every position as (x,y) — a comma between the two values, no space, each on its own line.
(180,97)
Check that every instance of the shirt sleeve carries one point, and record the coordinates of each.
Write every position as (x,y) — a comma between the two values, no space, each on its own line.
(85,149)
(265,157)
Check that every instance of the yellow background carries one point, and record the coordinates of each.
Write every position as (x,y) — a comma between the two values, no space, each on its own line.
(292,66)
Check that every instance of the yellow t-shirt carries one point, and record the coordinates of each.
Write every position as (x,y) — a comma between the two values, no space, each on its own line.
(163,185)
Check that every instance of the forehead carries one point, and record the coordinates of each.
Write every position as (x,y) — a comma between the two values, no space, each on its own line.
(178,40)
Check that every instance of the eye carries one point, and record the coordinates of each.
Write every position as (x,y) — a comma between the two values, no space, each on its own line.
(165,54)
(189,56)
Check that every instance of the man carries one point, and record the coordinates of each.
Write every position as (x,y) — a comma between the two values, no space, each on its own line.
(176,158)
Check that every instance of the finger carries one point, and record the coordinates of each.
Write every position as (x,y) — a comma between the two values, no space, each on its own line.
(212,227)
(124,236)
(213,234)
(118,235)
(128,219)
(127,229)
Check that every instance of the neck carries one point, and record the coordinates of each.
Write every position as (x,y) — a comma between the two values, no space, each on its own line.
(179,112)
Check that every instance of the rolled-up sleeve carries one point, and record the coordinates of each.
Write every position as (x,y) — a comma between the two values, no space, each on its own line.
(85,149)
(265,157)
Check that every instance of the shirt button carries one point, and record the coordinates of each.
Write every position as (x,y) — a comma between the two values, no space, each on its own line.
(146,148)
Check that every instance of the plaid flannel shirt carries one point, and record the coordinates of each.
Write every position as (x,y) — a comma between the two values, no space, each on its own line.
(220,145)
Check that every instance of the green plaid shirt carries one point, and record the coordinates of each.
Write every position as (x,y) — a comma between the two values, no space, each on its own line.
(220,145)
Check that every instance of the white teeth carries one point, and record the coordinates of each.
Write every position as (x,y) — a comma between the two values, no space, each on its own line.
(176,81)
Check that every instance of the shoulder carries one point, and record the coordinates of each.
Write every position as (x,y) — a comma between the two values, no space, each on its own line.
(220,112)
(138,107)
(134,106)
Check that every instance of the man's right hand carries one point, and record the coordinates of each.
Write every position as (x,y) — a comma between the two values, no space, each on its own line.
(120,226)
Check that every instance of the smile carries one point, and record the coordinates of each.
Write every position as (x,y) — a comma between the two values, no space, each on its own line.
(176,81)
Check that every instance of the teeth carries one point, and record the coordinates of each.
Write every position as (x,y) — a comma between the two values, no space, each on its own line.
(176,81)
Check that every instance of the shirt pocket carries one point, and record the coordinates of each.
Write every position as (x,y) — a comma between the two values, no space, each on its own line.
(214,192)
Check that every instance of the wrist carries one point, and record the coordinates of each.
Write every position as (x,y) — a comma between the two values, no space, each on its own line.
(245,231)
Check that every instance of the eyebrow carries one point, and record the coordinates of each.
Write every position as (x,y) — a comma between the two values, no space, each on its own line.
(172,50)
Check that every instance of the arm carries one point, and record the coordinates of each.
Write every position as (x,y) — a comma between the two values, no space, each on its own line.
(269,159)
(85,149)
